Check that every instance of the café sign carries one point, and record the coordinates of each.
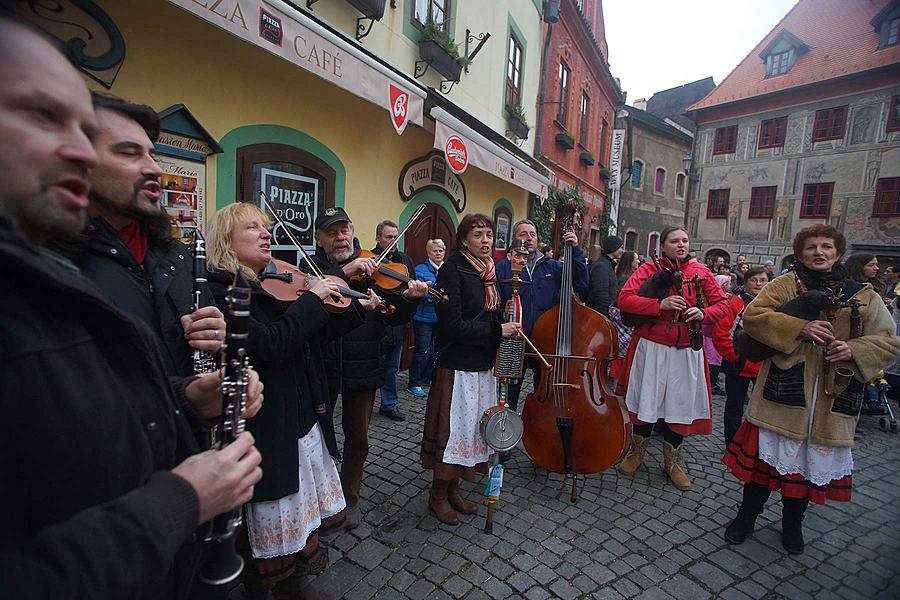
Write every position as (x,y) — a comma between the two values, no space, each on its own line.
(430,172)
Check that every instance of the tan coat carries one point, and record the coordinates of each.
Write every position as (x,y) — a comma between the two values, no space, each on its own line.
(782,396)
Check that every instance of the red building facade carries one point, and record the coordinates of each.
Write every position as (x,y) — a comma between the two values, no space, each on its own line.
(579,106)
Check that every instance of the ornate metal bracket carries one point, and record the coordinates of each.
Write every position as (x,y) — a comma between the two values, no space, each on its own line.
(471,38)
(421,68)
(447,85)
(361,29)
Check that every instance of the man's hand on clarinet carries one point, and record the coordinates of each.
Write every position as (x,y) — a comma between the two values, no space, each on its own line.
(694,314)
(204,329)
(817,332)
(673,303)
(204,394)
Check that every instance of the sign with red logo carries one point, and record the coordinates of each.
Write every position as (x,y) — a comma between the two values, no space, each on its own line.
(457,154)
(270,28)
(399,108)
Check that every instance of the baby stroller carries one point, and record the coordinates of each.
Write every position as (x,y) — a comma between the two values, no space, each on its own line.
(876,403)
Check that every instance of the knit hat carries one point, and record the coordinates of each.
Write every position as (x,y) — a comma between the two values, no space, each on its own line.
(611,243)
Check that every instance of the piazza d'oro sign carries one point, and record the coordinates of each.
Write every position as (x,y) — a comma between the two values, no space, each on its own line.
(430,172)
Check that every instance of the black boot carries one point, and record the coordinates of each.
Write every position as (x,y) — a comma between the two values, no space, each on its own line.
(792,513)
(752,504)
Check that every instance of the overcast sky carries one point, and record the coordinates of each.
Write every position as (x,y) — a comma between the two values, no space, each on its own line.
(659,44)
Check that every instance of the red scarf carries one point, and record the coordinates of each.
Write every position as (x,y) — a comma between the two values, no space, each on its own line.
(136,240)
(487,272)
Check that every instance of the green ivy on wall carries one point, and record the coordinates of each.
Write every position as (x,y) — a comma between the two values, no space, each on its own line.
(553,208)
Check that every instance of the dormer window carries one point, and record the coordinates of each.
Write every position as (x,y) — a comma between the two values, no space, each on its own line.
(782,52)
(887,25)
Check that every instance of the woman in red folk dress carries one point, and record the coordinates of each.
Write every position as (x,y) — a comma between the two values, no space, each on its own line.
(664,377)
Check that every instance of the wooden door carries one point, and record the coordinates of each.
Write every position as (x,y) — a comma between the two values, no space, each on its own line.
(433,223)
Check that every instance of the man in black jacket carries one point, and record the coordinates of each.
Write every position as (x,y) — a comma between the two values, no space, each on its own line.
(385,234)
(355,362)
(128,250)
(603,287)
(95,462)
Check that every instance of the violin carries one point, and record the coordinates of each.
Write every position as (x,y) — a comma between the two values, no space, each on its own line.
(391,277)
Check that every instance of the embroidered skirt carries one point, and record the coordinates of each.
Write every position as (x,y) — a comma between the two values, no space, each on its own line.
(452,445)
(283,527)
(798,463)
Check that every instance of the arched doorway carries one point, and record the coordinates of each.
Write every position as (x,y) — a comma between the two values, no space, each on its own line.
(713,255)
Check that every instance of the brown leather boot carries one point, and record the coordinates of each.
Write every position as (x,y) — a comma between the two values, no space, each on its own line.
(674,466)
(635,456)
(438,503)
(458,502)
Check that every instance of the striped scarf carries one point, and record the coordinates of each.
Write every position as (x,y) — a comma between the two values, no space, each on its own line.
(488,273)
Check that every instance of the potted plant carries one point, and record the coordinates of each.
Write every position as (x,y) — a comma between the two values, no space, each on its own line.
(371,9)
(565,139)
(515,121)
(587,157)
(605,173)
(438,50)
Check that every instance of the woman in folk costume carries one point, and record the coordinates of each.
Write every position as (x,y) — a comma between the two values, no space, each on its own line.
(299,497)
(798,430)
(664,377)
(463,387)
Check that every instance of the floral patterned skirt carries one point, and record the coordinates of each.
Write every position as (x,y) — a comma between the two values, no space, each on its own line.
(284,526)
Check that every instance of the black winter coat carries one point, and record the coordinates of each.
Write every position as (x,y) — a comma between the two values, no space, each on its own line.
(468,336)
(284,346)
(158,292)
(355,362)
(91,430)
(396,334)
(603,286)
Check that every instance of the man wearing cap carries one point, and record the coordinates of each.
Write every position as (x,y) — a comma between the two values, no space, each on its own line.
(355,363)
(541,292)
(603,286)
(770,269)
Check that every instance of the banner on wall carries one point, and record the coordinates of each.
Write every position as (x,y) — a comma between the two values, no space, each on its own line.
(183,194)
(294,199)
(615,159)
(286,32)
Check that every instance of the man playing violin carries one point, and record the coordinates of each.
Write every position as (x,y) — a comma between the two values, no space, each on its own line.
(386,233)
(355,363)
(541,292)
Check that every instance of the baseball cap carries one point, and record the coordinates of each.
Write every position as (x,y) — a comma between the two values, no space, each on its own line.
(331,215)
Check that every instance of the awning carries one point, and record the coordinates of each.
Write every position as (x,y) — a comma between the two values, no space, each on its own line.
(462,146)
(280,29)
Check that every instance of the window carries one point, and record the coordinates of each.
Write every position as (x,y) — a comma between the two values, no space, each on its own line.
(631,240)
(562,110)
(829,124)
(603,159)
(432,10)
(679,185)
(637,172)
(717,207)
(652,243)
(585,109)
(816,203)
(887,198)
(893,120)
(660,186)
(780,63)
(762,202)
(771,133)
(893,32)
(726,140)
(514,71)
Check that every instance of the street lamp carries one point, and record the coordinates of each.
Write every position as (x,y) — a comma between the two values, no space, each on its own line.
(687,162)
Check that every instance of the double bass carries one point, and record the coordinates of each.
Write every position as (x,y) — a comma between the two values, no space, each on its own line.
(573,423)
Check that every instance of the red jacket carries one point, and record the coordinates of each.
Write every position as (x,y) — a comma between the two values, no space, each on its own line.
(715,305)
(722,338)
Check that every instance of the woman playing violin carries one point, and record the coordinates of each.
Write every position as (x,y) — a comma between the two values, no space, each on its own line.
(463,387)
(299,497)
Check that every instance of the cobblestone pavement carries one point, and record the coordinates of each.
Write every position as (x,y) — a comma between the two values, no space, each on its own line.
(627,537)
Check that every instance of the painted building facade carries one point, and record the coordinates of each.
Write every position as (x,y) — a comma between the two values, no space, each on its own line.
(805,130)
(267,96)
(577,114)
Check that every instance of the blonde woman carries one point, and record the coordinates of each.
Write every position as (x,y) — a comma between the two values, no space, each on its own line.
(299,497)
(425,321)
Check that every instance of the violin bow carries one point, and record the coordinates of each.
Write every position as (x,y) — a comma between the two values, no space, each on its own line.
(312,265)
(392,245)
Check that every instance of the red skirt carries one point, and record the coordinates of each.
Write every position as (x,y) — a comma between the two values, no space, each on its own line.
(698,427)
(742,458)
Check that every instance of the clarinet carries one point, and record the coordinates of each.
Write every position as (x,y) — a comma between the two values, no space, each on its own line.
(695,327)
(203,360)
(223,564)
